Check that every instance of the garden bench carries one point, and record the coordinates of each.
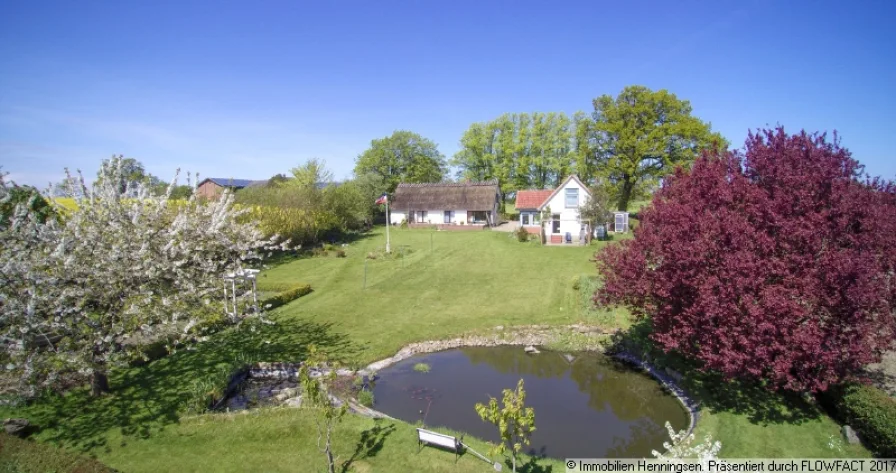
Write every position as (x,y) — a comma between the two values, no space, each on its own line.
(449,442)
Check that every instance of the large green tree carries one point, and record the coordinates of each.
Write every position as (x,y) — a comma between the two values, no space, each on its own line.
(638,137)
(518,150)
(402,157)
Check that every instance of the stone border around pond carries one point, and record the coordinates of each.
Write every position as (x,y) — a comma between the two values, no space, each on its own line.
(539,335)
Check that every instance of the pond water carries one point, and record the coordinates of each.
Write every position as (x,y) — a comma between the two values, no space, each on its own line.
(586,404)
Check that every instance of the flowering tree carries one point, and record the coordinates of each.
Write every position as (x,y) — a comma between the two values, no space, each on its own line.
(778,264)
(84,292)
(681,448)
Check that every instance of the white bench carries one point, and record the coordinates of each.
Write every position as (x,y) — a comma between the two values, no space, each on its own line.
(428,437)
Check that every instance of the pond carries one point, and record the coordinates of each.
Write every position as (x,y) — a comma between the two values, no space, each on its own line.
(586,404)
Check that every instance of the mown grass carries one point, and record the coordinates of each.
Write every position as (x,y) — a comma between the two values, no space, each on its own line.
(283,440)
(448,284)
(25,456)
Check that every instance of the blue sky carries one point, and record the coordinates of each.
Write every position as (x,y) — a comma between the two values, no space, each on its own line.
(251,89)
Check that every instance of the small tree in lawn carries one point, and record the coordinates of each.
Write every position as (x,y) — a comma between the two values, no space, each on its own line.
(682,447)
(777,265)
(85,292)
(514,420)
(315,395)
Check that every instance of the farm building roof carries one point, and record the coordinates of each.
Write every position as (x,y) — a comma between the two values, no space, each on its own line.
(532,199)
(476,196)
(229,182)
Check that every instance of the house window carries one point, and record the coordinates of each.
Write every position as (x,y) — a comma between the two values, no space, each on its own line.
(572,198)
(449,216)
(421,216)
(525,219)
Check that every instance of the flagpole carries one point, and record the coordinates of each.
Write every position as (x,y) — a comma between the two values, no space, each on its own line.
(388,224)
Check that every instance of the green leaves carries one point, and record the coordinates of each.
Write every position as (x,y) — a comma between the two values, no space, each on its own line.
(639,137)
(402,157)
(514,420)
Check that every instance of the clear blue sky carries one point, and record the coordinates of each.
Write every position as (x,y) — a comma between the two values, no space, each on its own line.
(250,89)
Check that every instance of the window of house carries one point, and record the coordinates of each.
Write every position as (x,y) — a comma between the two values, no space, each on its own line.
(525,218)
(572,198)
(421,216)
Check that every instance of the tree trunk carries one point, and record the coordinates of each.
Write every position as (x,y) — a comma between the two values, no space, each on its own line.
(331,465)
(628,185)
(513,461)
(99,383)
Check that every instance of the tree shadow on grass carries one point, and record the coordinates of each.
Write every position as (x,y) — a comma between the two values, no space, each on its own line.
(711,390)
(531,466)
(147,398)
(370,443)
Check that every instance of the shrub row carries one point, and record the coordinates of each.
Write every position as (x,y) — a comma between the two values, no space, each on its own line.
(285,295)
(870,411)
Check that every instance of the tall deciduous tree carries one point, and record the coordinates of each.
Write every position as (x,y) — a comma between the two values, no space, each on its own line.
(778,265)
(639,137)
(84,293)
(402,157)
(132,174)
(520,151)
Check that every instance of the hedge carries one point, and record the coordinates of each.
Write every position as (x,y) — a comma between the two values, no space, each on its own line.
(287,294)
(870,411)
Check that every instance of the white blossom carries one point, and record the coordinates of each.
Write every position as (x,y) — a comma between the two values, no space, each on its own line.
(85,291)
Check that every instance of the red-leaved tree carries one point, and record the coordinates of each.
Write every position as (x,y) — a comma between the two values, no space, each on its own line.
(775,264)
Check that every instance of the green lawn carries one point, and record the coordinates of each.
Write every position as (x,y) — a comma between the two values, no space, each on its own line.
(449,283)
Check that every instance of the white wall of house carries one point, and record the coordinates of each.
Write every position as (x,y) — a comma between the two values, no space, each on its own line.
(567,211)
(397,217)
(432,216)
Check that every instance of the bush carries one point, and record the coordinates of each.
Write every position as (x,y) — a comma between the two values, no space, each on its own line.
(870,411)
(404,224)
(522,235)
(340,253)
(365,397)
(286,295)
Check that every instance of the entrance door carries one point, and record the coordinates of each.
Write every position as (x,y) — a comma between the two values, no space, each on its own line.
(555,225)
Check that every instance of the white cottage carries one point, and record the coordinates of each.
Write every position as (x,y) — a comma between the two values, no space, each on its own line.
(559,208)
(446,204)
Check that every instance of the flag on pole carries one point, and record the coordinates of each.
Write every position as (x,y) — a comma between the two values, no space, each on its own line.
(382,200)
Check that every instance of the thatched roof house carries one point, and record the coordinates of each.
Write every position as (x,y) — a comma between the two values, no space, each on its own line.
(446,203)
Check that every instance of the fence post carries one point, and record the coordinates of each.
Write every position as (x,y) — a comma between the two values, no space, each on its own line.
(365,273)
(430,241)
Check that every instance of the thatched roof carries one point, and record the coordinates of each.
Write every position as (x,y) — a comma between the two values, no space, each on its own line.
(477,196)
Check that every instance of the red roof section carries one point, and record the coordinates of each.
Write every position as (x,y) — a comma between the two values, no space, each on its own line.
(532,199)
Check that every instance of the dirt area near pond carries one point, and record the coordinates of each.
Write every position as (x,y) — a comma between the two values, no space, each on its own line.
(884,373)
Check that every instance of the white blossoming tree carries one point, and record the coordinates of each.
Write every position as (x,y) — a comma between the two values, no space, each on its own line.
(84,292)
(682,448)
